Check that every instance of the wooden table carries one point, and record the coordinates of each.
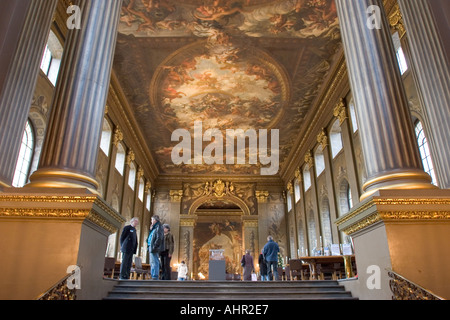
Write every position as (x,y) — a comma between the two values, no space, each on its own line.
(313,261)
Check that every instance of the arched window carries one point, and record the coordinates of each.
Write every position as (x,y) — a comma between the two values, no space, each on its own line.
(141,189)
(51,59)
(335,139)
(425,151)
(149,200)
(319,160)
(132,176)
(297,193)
(312,232)
(353,117)
(306,178)
(25,157)
(349,197)
(401,58)
(105,142)
(289,201)
(345,201)
(326,222)
(120,158)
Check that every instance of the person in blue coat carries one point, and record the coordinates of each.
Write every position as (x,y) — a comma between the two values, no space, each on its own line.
(270,253)
(128,244)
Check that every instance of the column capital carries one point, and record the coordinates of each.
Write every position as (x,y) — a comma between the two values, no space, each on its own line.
(262,196)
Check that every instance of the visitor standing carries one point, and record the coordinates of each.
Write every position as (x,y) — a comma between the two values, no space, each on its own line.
(270,253)
(247,263)
(155,243)
(166,254)
(128,246)
(263,267)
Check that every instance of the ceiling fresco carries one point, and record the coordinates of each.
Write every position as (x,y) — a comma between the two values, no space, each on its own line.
(230,64)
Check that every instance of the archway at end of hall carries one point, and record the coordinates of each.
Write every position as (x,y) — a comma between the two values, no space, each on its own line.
(219,225)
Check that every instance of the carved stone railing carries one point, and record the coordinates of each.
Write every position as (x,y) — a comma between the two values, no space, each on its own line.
(403,289)
(59,291)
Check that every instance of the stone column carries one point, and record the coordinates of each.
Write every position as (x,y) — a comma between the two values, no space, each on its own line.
(24,32)
(433,77)
(70,151)
(388,141)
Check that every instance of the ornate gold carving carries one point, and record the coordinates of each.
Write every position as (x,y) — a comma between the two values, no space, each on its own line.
(298,174)
(118,137)
(403,289)
(219,189)
(130,157)
(391,215)
(140,173)
(309,159)
(148,186)
(340,111)
(396,21)
(262,196)
(59,292)
(322,138)
(187,222)
(176,195)
(39,207)
(289,187)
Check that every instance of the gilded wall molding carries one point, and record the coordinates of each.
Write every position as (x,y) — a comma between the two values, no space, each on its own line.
(60,207)
(395,210)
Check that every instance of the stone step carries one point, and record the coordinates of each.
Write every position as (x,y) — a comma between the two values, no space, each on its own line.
(229,290)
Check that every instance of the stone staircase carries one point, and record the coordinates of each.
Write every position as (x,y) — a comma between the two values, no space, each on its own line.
(228,290)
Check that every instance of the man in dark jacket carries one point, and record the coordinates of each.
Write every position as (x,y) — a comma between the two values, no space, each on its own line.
(128,244)
(155,243)
(270,253)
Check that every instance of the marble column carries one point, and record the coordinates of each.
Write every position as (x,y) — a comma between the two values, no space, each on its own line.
(23,35)
(389,146)
(70,150)
(433,76)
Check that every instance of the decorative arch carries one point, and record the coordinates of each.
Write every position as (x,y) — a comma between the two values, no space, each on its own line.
(203,199)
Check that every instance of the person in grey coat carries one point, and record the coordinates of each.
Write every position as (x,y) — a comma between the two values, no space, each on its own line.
(270,253)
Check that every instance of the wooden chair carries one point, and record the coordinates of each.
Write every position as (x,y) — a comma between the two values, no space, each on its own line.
(138,270)
(295,268)
(108,269)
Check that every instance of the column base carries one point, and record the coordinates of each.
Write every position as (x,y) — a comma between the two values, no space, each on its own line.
(414,179)
(406,231)
(48,230)
(62,179)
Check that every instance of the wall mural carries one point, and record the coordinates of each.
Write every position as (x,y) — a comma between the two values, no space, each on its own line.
(225,235)
(230,64)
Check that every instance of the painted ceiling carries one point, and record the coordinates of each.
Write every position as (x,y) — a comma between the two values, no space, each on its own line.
(231,64)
